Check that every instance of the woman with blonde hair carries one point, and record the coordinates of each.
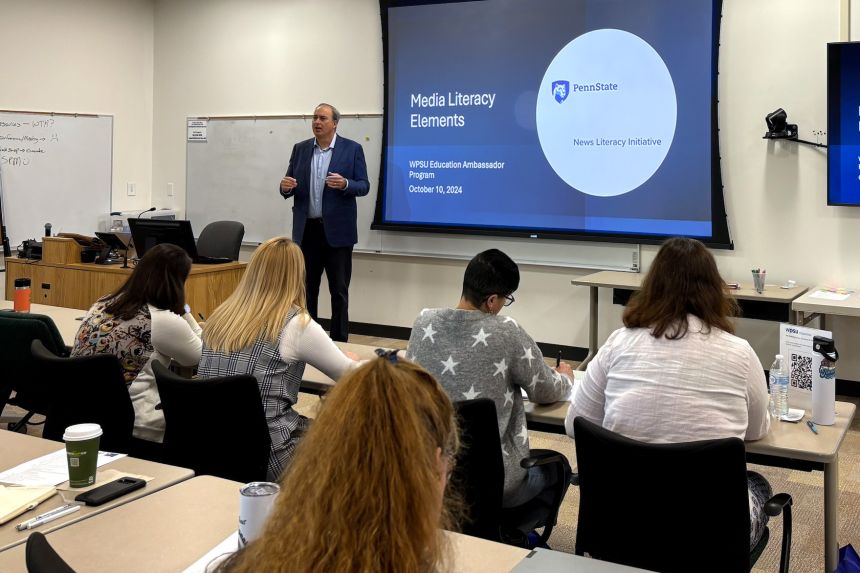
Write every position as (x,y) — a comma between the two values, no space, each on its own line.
(366,490)
(263,329)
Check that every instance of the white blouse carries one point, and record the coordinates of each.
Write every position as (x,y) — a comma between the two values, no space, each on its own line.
(702,386)
(173,337)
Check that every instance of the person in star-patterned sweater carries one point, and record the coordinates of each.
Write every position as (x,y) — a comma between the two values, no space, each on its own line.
(476,353)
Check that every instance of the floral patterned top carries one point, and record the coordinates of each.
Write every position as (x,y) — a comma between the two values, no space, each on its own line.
(129,340)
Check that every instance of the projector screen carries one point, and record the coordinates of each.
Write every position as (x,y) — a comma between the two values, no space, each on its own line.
(843,123)
(580,119)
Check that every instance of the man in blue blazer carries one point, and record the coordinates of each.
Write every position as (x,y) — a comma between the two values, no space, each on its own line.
(325,175)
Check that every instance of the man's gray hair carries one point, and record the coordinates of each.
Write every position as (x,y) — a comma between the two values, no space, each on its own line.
(335,115)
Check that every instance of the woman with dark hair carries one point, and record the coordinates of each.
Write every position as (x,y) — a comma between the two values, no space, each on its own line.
(145,320)
(366,491)
(676,372)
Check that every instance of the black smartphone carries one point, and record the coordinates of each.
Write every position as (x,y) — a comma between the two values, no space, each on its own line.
(110,491)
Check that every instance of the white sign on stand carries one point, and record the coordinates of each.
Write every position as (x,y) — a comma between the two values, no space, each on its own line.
(795,345)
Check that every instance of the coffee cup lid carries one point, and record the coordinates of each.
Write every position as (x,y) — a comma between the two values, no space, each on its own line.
(80,432)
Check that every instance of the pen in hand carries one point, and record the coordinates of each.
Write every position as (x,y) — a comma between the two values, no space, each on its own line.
(48,516)
(201,316)
(558,359)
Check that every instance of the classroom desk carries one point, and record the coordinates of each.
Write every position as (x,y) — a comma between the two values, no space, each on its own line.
(773,304)
(66,319)
(19,448)
(807,307)
(79,285)
(171,529)
(784,443)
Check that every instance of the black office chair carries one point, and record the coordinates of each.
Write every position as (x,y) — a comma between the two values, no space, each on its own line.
(198,417)
(221,239)
(480,475)
(668,507)
(86,389)
(40,557)
(17,331)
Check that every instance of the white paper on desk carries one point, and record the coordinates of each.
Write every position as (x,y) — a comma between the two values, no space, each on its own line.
(795,344)
(48,470)
(827,295)
(216,555)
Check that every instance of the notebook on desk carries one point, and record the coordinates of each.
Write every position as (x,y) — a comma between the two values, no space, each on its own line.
(15,500)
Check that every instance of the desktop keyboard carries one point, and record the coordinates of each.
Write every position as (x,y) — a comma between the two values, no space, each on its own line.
(203,260)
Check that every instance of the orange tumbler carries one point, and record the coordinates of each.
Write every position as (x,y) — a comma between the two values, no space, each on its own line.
(22,295)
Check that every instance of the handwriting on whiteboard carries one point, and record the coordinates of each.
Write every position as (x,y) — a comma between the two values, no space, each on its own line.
(21,142)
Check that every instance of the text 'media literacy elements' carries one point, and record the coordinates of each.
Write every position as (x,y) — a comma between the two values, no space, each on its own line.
(453,99)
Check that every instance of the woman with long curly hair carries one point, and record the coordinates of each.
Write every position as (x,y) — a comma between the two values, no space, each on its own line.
(676,372)
(366,489)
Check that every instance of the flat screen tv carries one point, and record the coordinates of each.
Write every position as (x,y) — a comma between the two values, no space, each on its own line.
(843,123)
(578,119)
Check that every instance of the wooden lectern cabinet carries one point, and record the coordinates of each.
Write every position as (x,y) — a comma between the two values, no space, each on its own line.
(61,279)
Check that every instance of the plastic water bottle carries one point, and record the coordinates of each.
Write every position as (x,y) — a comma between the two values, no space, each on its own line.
(779,388)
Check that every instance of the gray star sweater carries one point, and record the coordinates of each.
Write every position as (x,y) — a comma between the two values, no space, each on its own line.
(478,355)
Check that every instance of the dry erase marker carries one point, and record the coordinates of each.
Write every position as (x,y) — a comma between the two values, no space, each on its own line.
(49,516)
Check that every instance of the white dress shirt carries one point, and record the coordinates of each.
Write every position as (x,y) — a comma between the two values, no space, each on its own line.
(702,386)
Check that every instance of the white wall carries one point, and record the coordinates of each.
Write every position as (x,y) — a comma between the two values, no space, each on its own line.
(257,57)
(87,56)
(226,57)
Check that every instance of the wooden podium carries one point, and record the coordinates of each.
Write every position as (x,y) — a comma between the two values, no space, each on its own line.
(61,279)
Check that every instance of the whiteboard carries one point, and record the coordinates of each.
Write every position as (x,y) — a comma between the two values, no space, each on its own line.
(54,168)
(235,174)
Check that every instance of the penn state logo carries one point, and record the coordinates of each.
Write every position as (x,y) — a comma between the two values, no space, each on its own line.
(560,89)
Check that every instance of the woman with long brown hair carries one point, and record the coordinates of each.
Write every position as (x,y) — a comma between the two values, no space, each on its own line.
(145,320)
(676,372)
(366,489)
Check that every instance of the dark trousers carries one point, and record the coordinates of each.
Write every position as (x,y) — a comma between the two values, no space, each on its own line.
(337,264)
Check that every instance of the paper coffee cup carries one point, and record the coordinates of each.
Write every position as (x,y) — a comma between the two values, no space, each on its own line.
(82,451)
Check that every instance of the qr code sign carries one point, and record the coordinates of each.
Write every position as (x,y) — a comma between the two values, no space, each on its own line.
(801,371)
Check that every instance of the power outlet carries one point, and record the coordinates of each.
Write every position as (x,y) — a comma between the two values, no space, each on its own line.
(131,189)
(170,189)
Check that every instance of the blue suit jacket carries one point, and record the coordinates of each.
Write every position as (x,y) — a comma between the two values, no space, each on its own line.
(339,212)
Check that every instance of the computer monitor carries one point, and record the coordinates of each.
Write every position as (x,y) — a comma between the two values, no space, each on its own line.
(146,233)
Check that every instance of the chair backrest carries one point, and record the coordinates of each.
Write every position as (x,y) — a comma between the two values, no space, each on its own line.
(221,239)
(85,389)
(40,557)
(480,470)
(662,507)
(17,331)
(215,426)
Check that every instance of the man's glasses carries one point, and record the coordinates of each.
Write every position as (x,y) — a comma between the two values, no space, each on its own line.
(509,299)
